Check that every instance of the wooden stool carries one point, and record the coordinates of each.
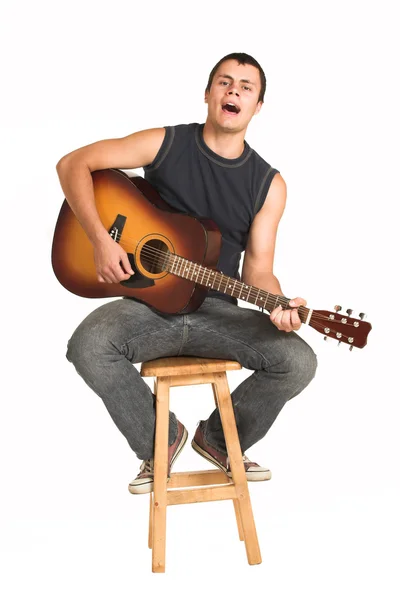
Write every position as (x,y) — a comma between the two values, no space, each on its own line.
(191,371)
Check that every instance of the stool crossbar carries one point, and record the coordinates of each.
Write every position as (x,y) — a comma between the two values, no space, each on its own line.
(183,488)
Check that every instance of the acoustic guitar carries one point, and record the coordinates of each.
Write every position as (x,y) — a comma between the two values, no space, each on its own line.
(174,257)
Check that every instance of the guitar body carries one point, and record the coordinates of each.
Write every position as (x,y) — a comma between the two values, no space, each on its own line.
(137,218)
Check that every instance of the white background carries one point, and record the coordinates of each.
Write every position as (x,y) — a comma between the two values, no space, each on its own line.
(327,522)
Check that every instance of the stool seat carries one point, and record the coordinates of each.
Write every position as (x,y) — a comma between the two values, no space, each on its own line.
(196,486)
(186,365)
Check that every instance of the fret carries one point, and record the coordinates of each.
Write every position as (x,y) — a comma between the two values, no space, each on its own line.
(266,299)
(220,281)
(258,293)
(208,278)
(250,287)
(241,291)
(173,264)
(187,270)
(180,266)
(227,281)
(234,283)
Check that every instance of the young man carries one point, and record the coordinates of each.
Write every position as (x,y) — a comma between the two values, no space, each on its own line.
(210,171)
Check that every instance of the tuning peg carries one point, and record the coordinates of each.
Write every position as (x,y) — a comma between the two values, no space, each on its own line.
(349,311)
(337,307)
(362,315)
(351,348)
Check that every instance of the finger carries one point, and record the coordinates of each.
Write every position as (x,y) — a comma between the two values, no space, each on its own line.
(100,279)
(275,312)
(126,265)
(117,274)
(125,276)
(298,302)
(295,319)
(278,319)
(108,275)
(286,321)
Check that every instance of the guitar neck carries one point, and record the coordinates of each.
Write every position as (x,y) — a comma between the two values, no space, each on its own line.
(219,282)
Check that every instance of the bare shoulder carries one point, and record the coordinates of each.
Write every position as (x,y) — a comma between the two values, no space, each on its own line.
(130,152)
(275,202)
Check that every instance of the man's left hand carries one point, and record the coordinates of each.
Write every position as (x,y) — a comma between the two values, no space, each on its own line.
(288,319)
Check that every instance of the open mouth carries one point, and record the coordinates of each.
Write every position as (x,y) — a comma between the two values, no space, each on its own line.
(231,108)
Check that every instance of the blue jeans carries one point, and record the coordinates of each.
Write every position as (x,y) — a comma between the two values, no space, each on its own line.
(125,331)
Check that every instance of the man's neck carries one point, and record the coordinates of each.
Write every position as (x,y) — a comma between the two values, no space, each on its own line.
(226,144)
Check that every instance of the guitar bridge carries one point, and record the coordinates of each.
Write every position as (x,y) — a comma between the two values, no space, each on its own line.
(117,228)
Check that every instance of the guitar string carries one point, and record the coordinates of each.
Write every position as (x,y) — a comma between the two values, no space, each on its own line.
(147,253)
(152,252)
(169,255)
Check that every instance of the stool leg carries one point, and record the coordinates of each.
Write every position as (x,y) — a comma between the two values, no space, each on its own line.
(151,521)
(236,505)
(160,475)
(151,507)
(238,473)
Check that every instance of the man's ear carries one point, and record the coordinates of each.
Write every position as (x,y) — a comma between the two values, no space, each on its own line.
(258,107)
(206,95)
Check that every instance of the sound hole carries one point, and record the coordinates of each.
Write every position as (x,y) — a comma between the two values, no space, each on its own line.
(154,256)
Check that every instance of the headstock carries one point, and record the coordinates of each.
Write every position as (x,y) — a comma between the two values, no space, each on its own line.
(343,328)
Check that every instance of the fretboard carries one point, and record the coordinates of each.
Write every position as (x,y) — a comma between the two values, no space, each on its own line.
(216,280)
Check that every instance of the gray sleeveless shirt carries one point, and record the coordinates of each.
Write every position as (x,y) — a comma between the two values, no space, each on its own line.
(193,179)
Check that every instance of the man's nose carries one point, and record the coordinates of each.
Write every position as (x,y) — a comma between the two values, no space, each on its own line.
(233,91)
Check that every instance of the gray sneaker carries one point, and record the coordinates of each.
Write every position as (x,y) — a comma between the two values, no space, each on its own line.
(253,471)
(143,482)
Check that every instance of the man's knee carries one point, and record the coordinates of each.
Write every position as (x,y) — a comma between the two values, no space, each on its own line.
(302,363)
(81,347)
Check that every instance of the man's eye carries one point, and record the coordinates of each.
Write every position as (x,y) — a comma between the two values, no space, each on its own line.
(224,83)
(246,88)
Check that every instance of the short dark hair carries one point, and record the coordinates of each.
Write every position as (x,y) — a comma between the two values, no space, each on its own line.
(243,59)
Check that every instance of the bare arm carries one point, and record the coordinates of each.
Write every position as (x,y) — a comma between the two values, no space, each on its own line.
(260,251)
(74,172)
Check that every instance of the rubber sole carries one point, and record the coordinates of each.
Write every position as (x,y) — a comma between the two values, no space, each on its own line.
(250,475)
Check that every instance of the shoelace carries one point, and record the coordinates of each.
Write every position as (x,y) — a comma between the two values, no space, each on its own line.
(147,466)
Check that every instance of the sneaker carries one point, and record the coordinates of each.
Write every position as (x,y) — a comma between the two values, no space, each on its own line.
(253,471)
(143,482)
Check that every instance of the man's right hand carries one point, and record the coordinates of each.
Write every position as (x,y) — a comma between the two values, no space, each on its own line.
(112,262)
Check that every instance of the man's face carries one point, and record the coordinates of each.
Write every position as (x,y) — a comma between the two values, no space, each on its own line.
(233,96)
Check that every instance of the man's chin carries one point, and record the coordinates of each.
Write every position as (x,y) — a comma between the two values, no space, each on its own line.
(229,126)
